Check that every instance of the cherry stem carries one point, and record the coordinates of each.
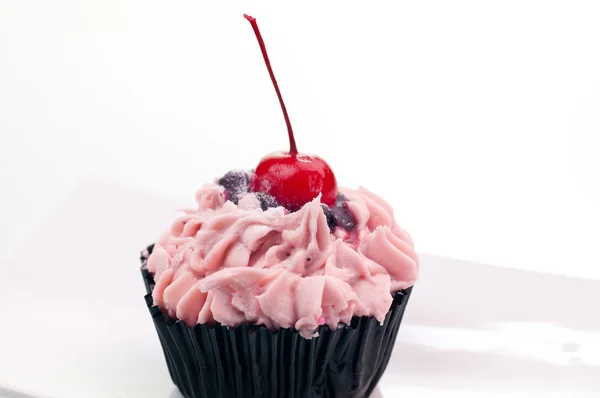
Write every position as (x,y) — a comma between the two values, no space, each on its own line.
(263,49)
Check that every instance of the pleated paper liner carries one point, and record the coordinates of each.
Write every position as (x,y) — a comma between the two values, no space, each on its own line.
(252,361)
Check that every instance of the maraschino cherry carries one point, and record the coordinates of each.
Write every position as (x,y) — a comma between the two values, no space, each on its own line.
(292,178)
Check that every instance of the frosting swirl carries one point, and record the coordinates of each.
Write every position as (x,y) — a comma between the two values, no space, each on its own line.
(237,263)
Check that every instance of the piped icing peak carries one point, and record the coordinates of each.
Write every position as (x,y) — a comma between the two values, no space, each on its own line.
(237,263)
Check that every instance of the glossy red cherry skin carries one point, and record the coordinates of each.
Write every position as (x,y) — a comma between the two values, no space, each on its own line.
(295,179)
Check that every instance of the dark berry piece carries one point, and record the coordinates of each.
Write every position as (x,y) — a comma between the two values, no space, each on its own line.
(339,216)
(330,217)
(235,180)
(340,199)
(235,183)
(266,200)
(343,217)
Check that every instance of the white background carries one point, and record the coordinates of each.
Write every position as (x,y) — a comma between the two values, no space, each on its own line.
(478,120)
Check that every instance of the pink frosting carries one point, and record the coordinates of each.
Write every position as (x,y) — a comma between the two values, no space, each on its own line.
(238,264)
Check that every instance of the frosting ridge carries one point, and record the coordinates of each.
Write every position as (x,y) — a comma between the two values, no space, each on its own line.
(237,263)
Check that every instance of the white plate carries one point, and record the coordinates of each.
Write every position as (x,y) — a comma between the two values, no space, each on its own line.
(74,322)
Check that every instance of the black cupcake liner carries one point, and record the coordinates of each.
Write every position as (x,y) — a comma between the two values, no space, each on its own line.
(253,362)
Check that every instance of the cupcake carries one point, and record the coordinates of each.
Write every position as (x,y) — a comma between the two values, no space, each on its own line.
(280,283)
